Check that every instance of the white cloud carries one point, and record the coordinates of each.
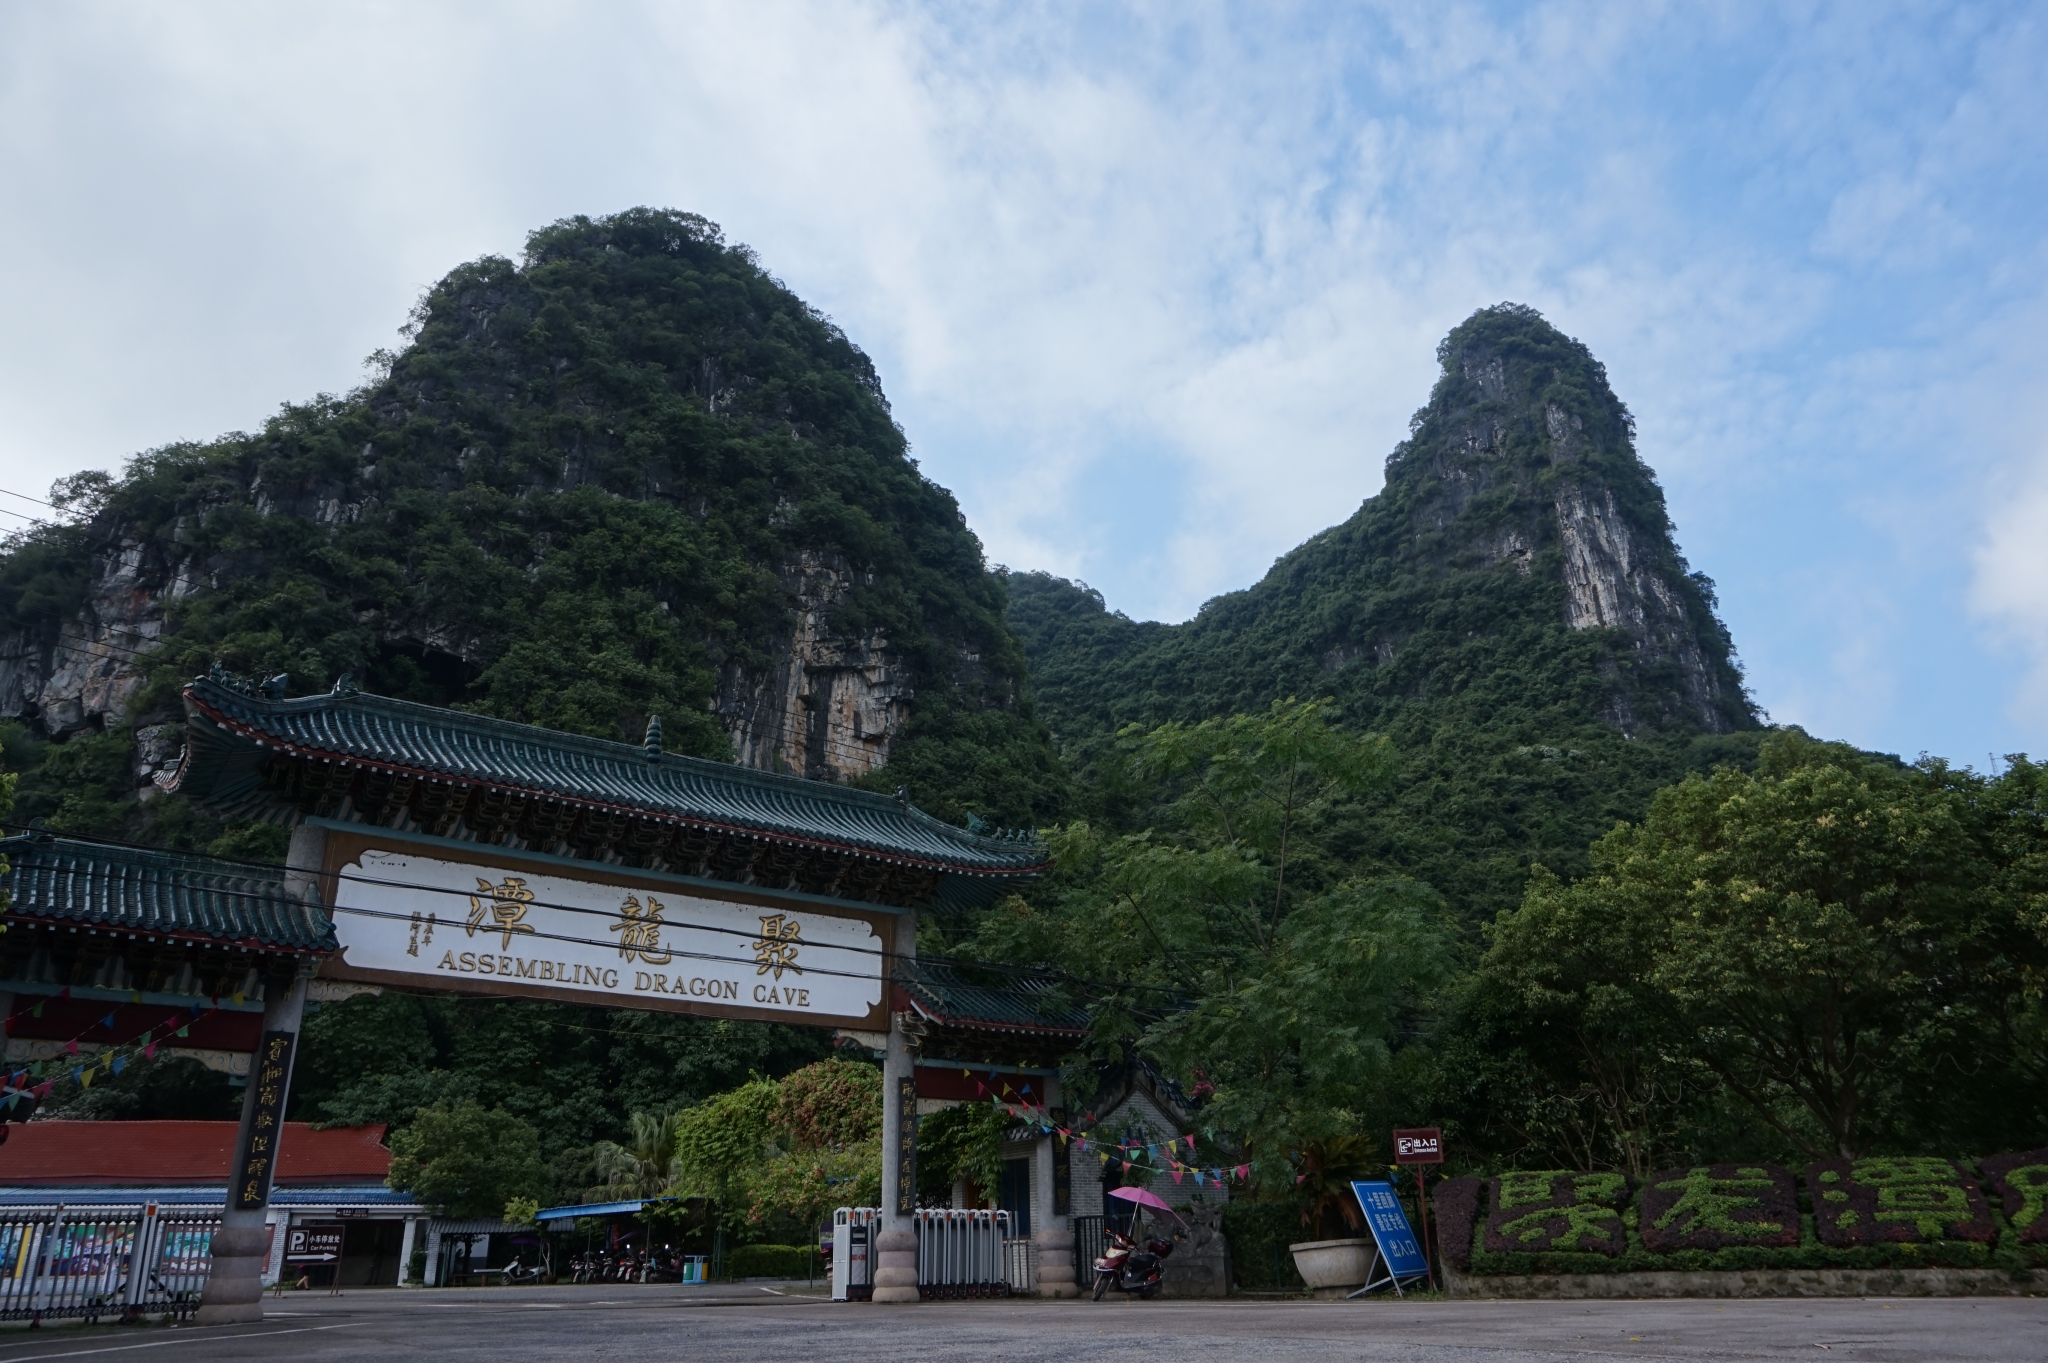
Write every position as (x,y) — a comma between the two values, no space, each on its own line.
(1153,289)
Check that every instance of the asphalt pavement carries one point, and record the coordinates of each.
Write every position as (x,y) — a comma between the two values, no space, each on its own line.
(754,1323)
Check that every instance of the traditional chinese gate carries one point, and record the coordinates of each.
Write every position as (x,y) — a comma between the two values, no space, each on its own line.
(462,853)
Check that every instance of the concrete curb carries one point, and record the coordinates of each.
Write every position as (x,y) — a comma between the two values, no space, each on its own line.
(1777,1282)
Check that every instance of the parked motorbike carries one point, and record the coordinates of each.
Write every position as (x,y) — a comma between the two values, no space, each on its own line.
(1124,1267)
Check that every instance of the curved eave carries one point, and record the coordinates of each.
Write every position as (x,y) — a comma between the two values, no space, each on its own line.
(232,728)
(28,918)
(957,1022)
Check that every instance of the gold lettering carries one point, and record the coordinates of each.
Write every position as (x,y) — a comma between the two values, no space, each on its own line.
(639,931)
(660,983)
(640,981)
(506,904)
(487,965)
(547,970)
(760,991)
(525,968)
(447,961)
(775,949)
(469,962)
(611,979)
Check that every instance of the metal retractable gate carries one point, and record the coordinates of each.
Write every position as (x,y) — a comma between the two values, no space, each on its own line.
(960,1253)
(104,1260)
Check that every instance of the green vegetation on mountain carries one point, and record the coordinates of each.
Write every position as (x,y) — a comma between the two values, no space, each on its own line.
(1437,615)
(575,499)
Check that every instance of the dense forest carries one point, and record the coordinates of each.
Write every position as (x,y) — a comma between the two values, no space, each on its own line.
(1460,816)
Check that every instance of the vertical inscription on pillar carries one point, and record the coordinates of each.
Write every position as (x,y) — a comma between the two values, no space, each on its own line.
(272,1069)
(906,1146)
(1062,1166)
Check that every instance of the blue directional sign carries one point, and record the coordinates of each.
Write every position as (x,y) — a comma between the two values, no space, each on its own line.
(1390,1229)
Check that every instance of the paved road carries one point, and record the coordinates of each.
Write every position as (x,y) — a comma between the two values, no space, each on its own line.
(755,1325)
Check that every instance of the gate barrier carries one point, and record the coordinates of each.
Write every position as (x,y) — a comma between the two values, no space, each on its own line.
(92,1261)
(1088,1242)
(960,1253)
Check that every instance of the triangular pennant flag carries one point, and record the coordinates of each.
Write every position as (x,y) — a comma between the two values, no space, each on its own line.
(120,1063)
(37,1011)
(149,1051)
(1176,1173)
(107,1021)
(65,992)
(1191,1145)
(71,1048)
(184,1031)
(84,1078)
(137,997)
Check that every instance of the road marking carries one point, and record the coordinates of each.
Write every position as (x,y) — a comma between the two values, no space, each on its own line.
(189,1339)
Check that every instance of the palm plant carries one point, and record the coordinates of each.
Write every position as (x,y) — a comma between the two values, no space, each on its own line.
(1324,1171)
(646,1166)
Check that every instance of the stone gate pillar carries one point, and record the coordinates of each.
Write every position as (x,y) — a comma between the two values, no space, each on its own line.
(241,1248)
(1052,1200)
(896,1246)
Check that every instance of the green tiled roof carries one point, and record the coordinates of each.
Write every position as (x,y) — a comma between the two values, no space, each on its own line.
(1004,1003)
(128,889)
(229,731)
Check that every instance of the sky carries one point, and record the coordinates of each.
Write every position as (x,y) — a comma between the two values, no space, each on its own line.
(1152,288)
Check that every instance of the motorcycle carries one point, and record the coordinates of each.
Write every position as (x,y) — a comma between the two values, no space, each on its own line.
(1124,1267)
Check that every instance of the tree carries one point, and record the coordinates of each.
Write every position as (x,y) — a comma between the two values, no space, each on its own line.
(464,1161)
(1224,940)
(646,1166)
(1821,932)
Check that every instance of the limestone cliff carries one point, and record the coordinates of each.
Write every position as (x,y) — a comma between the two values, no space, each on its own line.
(1511,608)
(628,475)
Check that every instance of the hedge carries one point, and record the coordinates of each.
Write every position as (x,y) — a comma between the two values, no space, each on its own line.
(2021,1182)
(770,1261)
(1934,1217)
(1556,1210)
(1719,1206)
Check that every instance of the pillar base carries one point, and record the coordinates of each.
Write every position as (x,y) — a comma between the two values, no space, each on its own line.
(240,1313)
(896,1267)
(1056,1263)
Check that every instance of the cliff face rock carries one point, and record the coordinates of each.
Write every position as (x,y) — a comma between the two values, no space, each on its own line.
(1504,468)
(1510,608)
(830,707)
(628,475)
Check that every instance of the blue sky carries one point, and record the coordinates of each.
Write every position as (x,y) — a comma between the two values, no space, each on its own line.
(1153,289)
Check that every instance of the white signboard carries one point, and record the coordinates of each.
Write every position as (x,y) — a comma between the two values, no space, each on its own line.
(619,945)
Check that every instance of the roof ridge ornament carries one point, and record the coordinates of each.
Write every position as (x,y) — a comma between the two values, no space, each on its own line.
(652,742)
(344,685)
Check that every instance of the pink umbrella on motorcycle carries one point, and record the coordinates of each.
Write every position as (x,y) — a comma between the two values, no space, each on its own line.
(1145,1197)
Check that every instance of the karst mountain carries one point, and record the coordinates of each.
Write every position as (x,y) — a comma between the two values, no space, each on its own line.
(631,474)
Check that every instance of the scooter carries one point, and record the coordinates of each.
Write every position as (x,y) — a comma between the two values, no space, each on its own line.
(1124,1267)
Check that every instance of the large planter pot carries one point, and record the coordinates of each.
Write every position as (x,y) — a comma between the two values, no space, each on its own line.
(1330,1264)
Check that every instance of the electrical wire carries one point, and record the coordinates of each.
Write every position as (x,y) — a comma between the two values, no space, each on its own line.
(271,868)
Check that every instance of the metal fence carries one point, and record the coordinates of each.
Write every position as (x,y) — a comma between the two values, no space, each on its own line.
(1020,1265)
(98,1261)
(960,1253)
(1087,1248)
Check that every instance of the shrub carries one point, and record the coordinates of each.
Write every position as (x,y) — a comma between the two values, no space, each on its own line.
(1718,1206)
(769,1261)
(2021,1182)
(1556,1209)
(1896,1201)
(1457,1214)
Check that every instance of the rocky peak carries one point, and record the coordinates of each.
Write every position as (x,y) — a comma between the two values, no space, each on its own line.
(1525,458)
